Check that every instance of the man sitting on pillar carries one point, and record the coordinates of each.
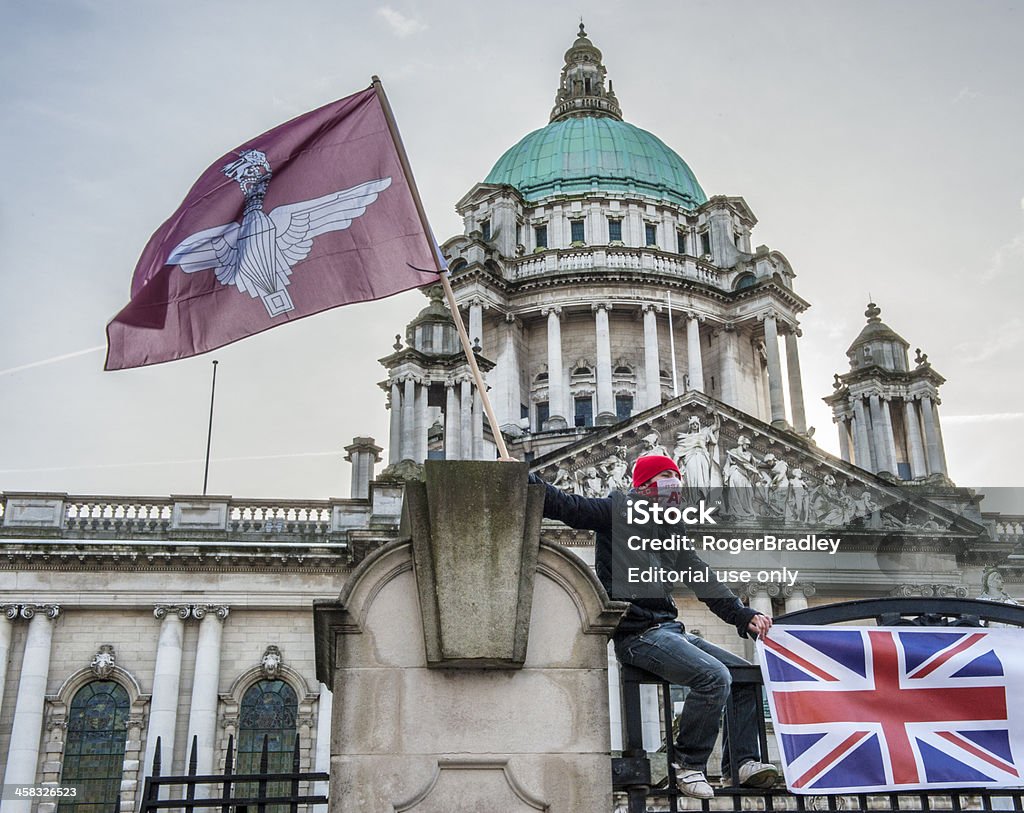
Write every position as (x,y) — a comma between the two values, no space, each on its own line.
(650,637)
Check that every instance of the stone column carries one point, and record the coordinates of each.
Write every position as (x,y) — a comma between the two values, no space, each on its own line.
(409,419)
(362,453)
(395,433)
(844,438)
(163,708)
(8,612)
(605,401)
(694,361)
(27,728)
(796,596)
(938,434)
(452,424)
(476,321)
(556,393)
(761,597)
(422,420)
(202,717)
(879,429)
(729,365)
(771,343)
(466,417)
(861,437)
(322,760)
(889,434)
(918,466)
(652,362)
(796,386)
(478,426)
(936,465)
(513,394)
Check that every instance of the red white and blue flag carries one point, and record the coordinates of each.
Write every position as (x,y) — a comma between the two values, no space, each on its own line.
(882,709)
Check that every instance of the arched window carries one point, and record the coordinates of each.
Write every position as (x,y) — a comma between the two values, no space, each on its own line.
(269,709)
(94,751)
(745,281)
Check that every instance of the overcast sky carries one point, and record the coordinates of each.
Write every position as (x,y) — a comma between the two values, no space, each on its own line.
(878,143)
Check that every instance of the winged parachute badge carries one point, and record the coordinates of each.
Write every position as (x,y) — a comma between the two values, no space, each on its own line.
(327,216)
(257,256)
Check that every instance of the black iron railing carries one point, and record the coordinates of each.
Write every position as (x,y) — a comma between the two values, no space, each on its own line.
(231,792)
(631,772)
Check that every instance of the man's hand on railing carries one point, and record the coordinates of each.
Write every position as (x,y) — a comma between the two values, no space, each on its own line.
(759,625)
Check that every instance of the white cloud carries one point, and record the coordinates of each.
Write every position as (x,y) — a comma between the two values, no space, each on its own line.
(1006,337)
(401,25)
(992,417)
(1007,258)
(965,94)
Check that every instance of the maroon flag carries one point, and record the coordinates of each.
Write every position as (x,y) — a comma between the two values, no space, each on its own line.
(313,214)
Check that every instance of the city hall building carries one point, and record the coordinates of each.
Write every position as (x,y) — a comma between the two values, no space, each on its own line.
(616,310)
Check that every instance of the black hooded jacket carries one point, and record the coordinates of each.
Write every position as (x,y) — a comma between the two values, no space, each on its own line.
(595,514)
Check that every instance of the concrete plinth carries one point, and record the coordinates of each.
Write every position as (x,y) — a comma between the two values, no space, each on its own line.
(407,736)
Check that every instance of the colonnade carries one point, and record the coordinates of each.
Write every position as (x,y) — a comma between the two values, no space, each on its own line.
(867,434)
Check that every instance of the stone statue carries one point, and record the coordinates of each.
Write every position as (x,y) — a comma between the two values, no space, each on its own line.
(616,471)
(773,486)
(739,474)
(651,444)
(797,506)
(992,587)
(694,452)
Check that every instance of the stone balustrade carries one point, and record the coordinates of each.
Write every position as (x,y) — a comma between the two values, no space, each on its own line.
(601,257)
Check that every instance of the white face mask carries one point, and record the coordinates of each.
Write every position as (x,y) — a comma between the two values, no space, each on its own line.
(670,492)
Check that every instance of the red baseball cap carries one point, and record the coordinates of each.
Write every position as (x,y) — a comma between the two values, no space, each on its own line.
(651,465)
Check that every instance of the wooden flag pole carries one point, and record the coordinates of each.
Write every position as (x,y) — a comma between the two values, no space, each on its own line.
(467,348)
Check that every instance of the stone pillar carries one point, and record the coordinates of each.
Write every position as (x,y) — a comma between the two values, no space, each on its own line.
(8,612)
(771,343)
(729,364)
(27,728)
(912,425)
(761,598)
(889,435)
(879,429)
(363,453)
(796,386)
(322,760)
(476,322)
(694,361)
(938,434)
(556,392)
(478,426)
(652,363)
(605,401)
(466,416)
(452,424)
(796,596)
(422,420)
(862,437)
(409,419)
(844,438)
(202,717)
(936,464)
(395,433)
(513,396)
(163,708)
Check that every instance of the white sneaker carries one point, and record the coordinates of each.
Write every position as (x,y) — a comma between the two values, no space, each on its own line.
(755,774)
(693,783)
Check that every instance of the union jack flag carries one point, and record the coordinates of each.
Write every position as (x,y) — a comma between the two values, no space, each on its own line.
(873,708)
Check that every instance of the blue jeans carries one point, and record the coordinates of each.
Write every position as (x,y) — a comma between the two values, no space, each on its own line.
(686,660)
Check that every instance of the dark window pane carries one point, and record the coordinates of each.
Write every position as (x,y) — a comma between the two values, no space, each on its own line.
(542,414)
(269,709)
(577,230)
(615,230)
(623,406)
(541,235)
(584,411)
(681,242)
(94,752)
(705,242)
(651,234)
(485,227)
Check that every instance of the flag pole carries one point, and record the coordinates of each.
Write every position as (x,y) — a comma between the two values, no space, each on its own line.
(209,429)
(467,347)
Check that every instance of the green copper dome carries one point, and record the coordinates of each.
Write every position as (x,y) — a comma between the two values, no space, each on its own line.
(588,153)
